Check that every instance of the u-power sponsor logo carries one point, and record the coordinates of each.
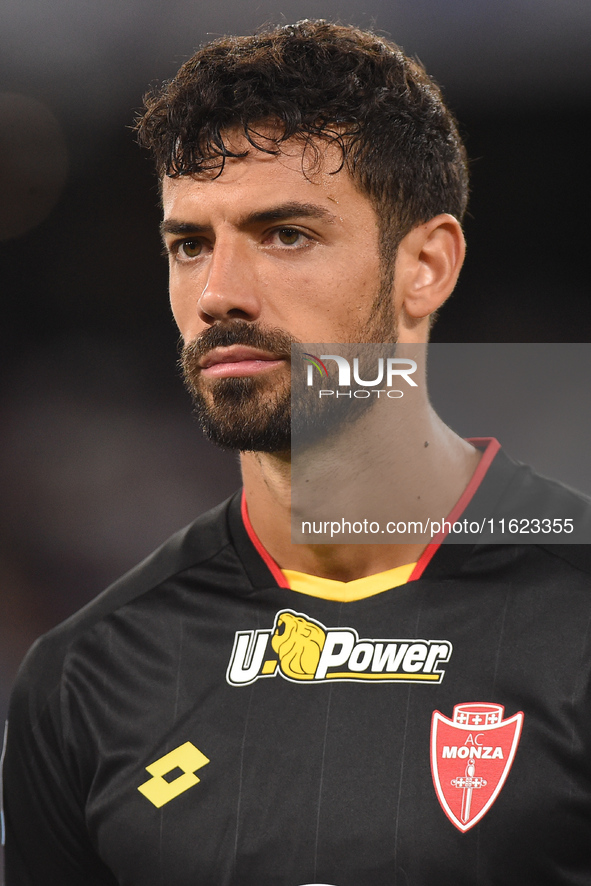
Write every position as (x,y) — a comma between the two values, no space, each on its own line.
(302,650)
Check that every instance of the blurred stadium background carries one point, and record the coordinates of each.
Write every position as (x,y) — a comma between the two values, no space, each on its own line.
(101,459)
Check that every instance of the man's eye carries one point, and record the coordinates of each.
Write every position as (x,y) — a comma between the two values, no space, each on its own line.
(289,236)
(190,248)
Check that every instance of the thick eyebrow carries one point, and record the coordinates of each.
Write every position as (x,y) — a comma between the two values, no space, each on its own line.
(283,212)
(172,226)
(290,210)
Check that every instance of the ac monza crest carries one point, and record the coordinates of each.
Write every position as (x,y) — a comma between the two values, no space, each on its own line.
(471,756)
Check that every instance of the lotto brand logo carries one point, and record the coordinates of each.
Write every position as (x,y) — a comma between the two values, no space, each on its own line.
(471,756)
(165,783)
(303,650)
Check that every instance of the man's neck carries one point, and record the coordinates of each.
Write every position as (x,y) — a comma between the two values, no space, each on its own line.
(431,477)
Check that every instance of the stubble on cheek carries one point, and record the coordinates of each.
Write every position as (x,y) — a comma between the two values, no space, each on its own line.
(253,413)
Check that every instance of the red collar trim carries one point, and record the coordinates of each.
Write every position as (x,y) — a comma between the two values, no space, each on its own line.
(490,446)
(269,561)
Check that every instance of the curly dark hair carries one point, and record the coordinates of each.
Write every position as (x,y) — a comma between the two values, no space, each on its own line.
(317,80)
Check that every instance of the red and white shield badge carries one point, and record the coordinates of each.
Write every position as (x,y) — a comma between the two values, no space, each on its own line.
(471,756)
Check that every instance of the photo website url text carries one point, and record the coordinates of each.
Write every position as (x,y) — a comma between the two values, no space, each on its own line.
(432,528)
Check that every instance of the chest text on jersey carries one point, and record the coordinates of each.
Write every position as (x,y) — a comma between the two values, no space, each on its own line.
(302,649)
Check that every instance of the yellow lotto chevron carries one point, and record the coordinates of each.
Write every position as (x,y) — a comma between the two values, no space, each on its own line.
(303,650)
(186,757)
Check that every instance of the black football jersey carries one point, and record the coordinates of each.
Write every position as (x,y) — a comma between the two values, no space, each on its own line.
(201,724)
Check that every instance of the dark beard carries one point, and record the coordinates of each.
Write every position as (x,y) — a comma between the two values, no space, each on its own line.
(251,414)
(246,413)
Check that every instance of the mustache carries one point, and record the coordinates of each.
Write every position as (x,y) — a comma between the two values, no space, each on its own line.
(237,332)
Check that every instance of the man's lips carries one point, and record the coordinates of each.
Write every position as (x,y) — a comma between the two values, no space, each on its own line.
(236,361)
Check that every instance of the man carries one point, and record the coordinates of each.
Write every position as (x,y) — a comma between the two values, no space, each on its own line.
(243,710)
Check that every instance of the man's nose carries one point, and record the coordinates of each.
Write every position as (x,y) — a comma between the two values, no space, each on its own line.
(232,287)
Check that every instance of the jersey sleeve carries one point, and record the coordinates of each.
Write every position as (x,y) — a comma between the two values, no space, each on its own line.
(44,823)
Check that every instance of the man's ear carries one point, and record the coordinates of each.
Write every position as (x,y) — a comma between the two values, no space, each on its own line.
(428,263)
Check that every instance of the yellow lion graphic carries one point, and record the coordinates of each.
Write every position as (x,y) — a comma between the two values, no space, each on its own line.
(298,643)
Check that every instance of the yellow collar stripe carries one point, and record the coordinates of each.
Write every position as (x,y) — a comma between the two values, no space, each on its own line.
(348,591)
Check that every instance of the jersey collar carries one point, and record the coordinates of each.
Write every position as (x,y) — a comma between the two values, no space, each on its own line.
(440,559)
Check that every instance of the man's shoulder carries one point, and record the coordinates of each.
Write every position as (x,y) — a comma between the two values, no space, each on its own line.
(541,504)
(515,504)
(572,557)
(519,519)
(195,546)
